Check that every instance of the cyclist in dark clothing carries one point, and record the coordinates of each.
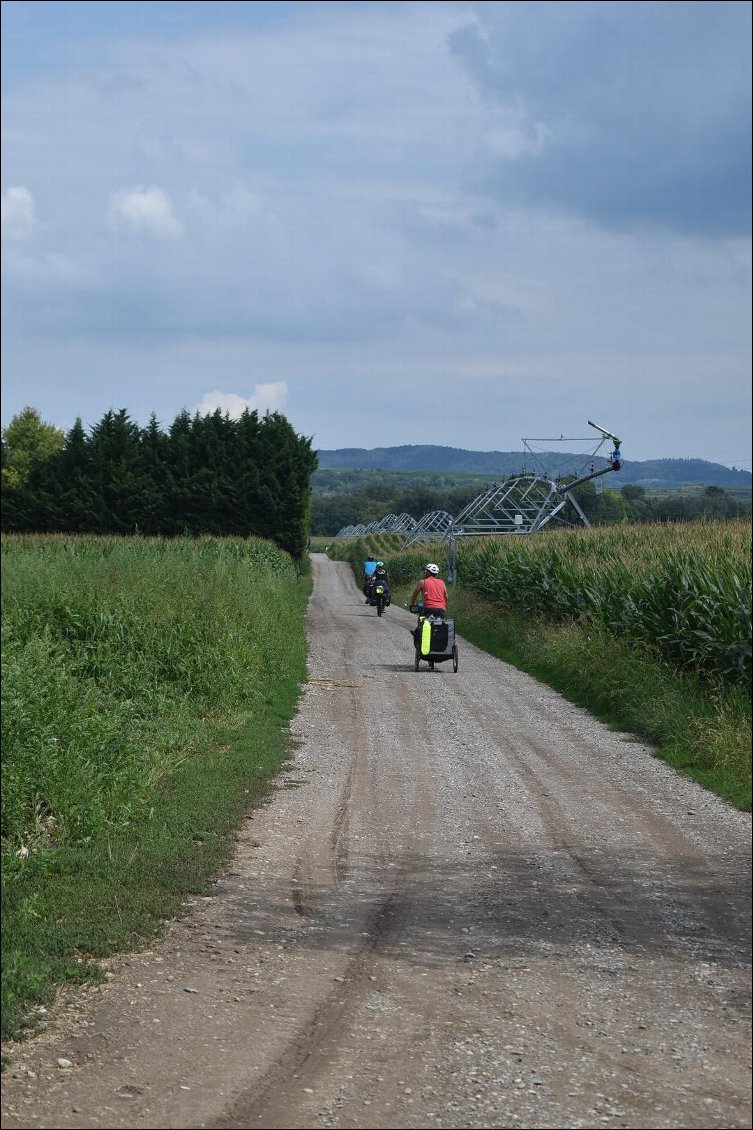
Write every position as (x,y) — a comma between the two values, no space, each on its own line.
(380,576)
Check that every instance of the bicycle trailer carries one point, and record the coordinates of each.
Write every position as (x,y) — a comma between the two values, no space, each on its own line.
(435,642)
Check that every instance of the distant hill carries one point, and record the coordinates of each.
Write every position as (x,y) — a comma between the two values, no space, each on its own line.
(665,473)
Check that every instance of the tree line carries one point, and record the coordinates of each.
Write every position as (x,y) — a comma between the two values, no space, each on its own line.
(203,475)
(633,503)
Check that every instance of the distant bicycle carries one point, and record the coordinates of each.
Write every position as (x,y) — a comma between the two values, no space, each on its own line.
(378,591)
(379,598)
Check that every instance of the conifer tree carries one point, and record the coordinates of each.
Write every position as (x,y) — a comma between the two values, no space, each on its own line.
(114,448)
(208,475)
(155,471)
(78,497)
(180,467)
(248,473)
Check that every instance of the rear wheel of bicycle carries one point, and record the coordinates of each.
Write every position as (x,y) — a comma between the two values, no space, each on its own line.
(455,657)
(431,664)
(417,662)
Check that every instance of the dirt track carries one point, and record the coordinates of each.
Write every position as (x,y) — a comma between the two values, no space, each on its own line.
(468,904)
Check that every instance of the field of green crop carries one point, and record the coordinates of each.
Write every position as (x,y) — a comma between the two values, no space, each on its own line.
(683,591)
(147,685)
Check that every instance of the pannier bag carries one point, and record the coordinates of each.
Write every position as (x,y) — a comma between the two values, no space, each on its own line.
(437,637)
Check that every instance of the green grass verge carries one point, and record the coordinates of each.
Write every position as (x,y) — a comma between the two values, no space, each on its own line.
(89,901)
(147,692)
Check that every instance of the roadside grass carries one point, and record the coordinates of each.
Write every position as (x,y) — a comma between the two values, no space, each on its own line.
(91,900)
(147,691)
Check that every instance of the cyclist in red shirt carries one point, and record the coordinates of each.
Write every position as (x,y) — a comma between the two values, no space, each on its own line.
(433,593)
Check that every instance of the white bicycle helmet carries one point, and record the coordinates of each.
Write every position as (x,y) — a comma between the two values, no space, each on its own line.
(431,568)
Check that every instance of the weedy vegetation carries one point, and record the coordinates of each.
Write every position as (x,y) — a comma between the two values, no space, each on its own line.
(147,688)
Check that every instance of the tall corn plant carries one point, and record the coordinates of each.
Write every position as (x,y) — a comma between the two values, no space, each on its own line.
(685,592)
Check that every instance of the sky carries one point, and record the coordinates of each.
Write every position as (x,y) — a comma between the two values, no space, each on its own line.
(459,224)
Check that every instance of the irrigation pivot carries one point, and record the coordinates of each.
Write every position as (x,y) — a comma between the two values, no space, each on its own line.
(522,504)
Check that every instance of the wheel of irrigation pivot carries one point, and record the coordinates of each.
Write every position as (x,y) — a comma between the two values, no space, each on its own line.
(455,657)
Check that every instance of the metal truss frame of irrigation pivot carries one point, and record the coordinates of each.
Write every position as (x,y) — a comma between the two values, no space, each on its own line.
(522,504)
(434,526)
(525,503)
(391,524)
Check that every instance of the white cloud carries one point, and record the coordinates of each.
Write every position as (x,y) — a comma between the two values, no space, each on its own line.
(48,269)
(19,220)
(265,398)
(147,211)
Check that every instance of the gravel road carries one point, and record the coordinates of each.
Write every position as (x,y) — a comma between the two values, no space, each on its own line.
(468,904)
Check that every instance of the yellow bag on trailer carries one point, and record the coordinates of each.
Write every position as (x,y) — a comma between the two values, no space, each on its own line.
(426,636)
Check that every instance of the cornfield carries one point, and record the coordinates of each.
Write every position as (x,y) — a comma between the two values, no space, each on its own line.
(683,591)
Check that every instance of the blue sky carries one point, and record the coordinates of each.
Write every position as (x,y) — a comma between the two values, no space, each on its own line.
(398,223)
